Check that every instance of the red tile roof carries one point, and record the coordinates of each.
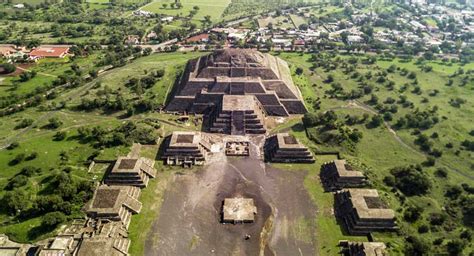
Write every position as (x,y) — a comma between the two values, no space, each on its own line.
(197,38)
(50,51)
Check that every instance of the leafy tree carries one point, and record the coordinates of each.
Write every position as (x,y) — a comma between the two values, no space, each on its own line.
(52,219)
(14,202)
(411,180)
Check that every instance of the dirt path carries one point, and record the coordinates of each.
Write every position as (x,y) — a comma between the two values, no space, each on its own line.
(41,73)
(189,220)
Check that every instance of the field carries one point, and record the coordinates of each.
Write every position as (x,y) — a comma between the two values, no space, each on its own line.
(206,7)
(380,149)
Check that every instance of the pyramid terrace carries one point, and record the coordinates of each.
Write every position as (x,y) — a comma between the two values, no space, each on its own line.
(284,148)
(238,115)
(115,203)
(362,211)
(186,148)
(237,72)
(131,172)
(363,248)
(338,174)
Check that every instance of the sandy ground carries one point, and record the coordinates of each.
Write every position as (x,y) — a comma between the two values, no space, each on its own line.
(189,220)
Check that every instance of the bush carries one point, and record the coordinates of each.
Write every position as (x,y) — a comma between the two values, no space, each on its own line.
(31,156)
(412,213)
(423,229)
(59,136)
(8,68)
(17,181)
(437,219)
(18,159)
(13,145)
(24,123)
(441,172)
(14,202)
(52,219)
(54,123)
(455,247)
(411,180)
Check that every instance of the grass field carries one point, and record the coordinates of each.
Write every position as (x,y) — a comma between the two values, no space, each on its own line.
(172,63)
(213,8)
(379,150)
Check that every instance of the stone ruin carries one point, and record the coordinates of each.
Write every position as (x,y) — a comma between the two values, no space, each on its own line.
(361,211)
(186,148)
(131,172)
(238,210)
(237,72)
(115,203)
(363,248)
(237,148)
(237,115)
(338,174)
(284,148)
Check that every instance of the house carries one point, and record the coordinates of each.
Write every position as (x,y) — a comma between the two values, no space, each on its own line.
(49,51)
(132,39)
(167,19)
(19,6)
(201,38)
(7,50)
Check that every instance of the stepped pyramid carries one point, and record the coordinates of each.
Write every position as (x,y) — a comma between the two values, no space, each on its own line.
(284,148)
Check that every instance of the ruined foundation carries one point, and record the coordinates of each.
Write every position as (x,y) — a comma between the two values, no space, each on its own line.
(186,148)
(284,148)
(361,211)
(338,174)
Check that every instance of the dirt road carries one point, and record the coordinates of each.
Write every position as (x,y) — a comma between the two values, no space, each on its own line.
(189,220)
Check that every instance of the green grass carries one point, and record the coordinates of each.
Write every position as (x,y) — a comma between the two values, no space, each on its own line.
(379,151)
(172,63)
(213,8)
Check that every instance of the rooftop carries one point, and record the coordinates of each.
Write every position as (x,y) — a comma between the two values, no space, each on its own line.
(183,139)
(238,103)
(368,204)
(108,200)
(344,170)
(239,210)
(286,140)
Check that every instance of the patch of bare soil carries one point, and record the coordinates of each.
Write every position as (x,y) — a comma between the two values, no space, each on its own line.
(189,222)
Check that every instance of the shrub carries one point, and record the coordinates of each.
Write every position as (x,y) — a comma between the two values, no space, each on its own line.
(18,159)
(13,145)
(31,156)
(24,123)
(59,136)
(8,68)
(411,180)
(437,219)
(52,219)
(17,181)
(441,172)
(54,123)
(423,229)
(412,213)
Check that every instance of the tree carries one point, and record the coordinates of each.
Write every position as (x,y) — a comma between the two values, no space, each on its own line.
(299,71)
(14,202)
(375,121)
(165,5)
(52,219)
(410,180)
(7,68)
(54,123)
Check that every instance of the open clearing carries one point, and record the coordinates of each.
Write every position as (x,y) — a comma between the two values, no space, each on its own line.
(189,220)
(213,8)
